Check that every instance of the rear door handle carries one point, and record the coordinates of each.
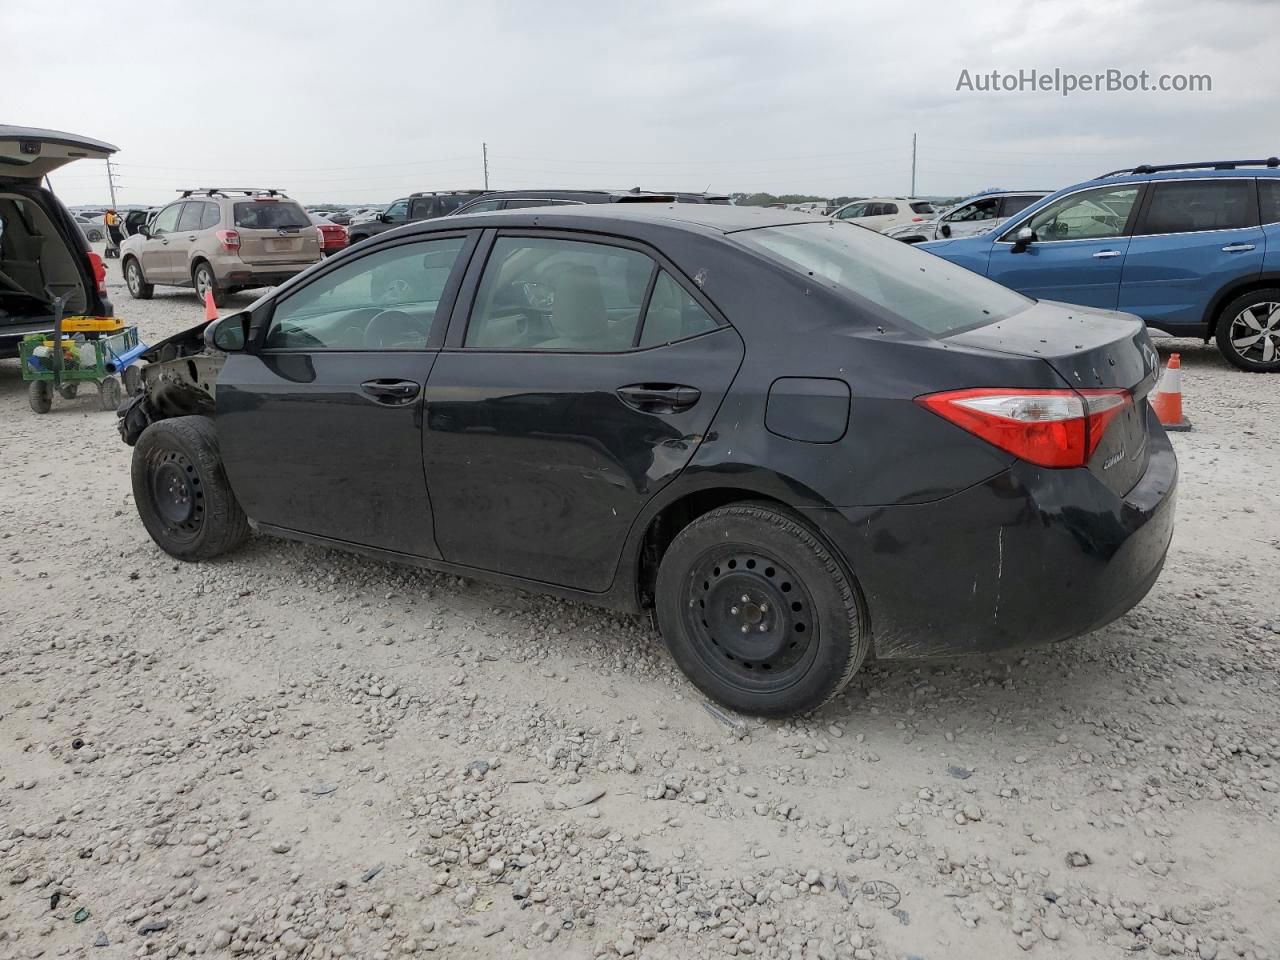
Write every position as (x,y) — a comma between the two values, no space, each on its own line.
(1238,248)
(1106,254)
(659,397)
(391,391)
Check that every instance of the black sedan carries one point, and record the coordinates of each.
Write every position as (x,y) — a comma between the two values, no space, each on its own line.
(798,441)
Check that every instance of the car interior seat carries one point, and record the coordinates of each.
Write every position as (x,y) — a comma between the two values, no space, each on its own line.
(578,315)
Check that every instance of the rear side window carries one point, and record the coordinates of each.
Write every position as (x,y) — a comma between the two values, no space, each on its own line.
(211,216)
(268,215)
(545,294)
(192,216)
(1269,200)
(921,206)
(1188,206)
(384,301)
(924,291)
(422,209)
(1011,205)
(480,206)
(446,205)
(673,314)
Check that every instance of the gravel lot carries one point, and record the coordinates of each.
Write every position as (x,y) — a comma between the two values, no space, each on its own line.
(293,752)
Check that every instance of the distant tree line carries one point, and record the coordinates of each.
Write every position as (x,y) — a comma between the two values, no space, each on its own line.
(764,199)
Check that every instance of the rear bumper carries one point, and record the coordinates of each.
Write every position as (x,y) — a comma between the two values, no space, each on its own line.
(264,275)
(1030,556)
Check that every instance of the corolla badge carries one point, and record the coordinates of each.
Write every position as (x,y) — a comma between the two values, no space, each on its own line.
(1112,460)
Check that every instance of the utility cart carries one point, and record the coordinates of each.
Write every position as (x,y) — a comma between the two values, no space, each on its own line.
(99,350)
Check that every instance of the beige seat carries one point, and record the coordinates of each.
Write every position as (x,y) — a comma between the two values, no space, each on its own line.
(578,314)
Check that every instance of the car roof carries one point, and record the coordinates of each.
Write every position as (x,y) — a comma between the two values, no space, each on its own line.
(719,218)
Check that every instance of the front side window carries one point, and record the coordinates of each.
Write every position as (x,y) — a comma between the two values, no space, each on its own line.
(1187,206)
(541,293)
(397,211)
(978,210)
(924,291)
(1087,215)
(268,215)
(851,211)
(384,301)
(166,220)
(1269,200)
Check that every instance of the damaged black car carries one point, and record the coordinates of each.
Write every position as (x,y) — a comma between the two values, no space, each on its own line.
(798,443)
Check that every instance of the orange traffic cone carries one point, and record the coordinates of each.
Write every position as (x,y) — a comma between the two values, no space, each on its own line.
(210,308)
(1167,402)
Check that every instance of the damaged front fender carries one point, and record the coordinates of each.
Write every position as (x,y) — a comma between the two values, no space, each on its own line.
(179,379)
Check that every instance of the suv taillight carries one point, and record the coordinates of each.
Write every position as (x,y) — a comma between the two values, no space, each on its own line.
(1050,428)
(99,273)
(230,240)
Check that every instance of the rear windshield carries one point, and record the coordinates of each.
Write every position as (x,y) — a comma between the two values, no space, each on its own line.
(268,215)
(922,206)
(923,290)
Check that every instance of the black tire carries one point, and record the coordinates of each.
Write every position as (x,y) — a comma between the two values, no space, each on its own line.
(204,279)
(40,396)
(109,393)
(804,636)
(95,236)
(132,379)
(181,490)
(136,281)
(1244,338)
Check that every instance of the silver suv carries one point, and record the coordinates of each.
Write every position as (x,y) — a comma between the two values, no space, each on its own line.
(220,240)
(970,217)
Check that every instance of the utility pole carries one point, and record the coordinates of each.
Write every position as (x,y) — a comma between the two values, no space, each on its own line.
(111,183)
(913,165)
(484,149)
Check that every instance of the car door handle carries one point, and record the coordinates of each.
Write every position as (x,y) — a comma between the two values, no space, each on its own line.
(1238,248)
(391,391)
(165,242)
(1106,254)
(659,397)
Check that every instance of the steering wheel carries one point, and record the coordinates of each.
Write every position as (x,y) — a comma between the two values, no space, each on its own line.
(390,329)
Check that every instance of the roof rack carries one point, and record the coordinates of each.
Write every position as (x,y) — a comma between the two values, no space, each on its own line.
(1207,165)
(435,193)
(223,191)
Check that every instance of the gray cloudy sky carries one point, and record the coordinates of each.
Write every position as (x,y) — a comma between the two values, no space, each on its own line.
(365,101)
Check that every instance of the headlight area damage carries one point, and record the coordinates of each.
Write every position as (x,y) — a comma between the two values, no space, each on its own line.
(179,378)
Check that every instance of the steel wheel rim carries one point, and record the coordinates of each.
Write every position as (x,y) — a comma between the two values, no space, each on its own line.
(751,620)
(177,494)
(1255,332)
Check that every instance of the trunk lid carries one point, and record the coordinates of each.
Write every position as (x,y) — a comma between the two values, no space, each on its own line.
(30,153)
(1091,350)
(275,232)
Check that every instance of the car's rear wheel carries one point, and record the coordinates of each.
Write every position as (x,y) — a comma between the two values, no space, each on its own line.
(95,236)
(205,283)
(181,490)
(757,611)
(1248,331)
(139,289)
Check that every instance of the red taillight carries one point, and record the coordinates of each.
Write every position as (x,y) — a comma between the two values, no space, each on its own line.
(1050,428)
(230,239)
(99,272)
(917,219)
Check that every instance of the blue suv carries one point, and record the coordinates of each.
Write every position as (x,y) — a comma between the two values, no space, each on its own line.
(1193,249)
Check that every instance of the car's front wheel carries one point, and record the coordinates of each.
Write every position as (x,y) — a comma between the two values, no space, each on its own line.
(1248,331)
(182,492)
(139,289)
(757,611)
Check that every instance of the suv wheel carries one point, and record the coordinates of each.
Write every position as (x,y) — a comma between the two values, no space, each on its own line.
(1248,332)
(758,613)
(181,490)
(205,283)
(139,289)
